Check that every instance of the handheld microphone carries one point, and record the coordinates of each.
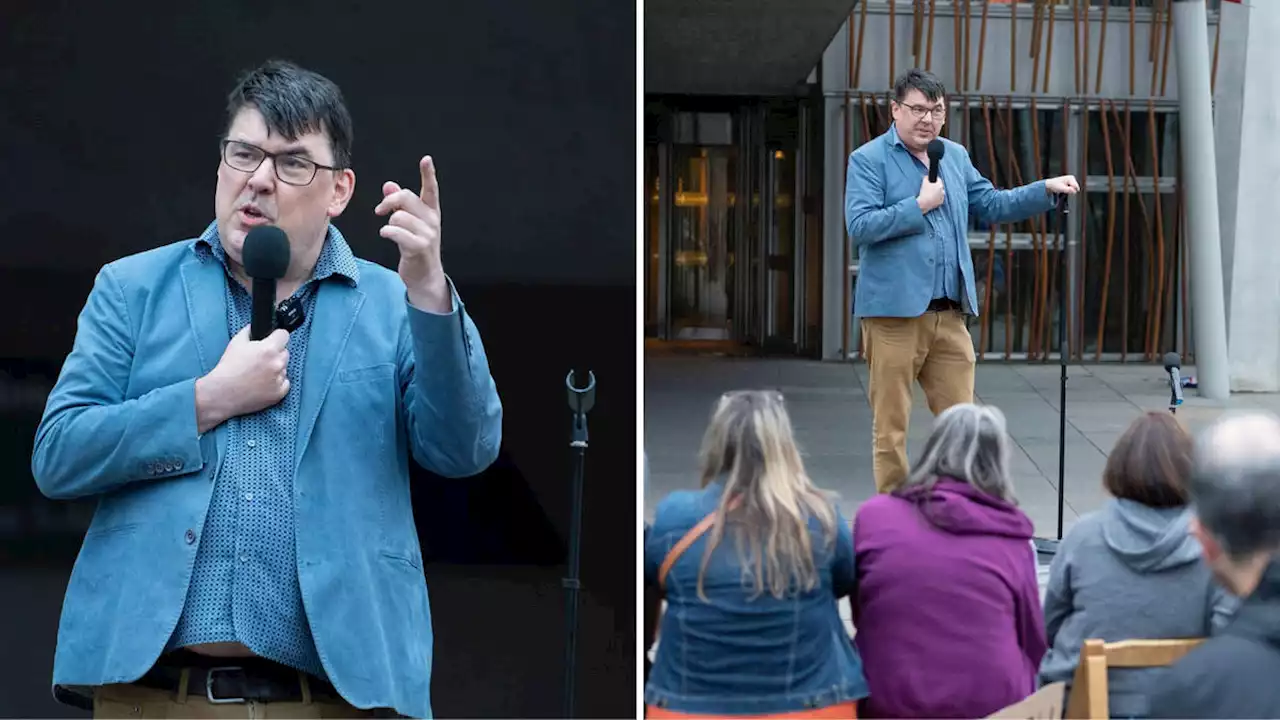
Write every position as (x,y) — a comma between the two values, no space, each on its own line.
(266,258)
(1172,364)
(936,150)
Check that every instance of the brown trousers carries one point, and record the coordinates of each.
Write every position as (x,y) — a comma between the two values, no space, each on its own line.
(934,349)
(137,701)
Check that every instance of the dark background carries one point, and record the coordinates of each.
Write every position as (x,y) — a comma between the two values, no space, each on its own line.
(109,119)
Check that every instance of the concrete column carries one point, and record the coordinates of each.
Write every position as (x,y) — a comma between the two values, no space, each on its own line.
(835,78)
(1252,111)
(1200,175)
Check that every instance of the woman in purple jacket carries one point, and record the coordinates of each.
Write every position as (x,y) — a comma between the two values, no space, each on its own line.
(947,609)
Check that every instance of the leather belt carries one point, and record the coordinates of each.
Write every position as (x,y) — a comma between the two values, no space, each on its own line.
(237,683)
(941,304)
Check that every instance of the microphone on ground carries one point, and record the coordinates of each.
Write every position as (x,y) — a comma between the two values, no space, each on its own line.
(1172,365)
(266,259)
(936,150)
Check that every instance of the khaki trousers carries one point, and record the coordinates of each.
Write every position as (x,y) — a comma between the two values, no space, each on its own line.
(934,349)
(137,701)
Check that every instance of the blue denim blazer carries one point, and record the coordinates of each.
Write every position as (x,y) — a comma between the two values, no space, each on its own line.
(896,252)
(739,654)
(382,380)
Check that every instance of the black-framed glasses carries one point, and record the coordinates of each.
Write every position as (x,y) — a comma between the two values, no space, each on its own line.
(292,169)
(918,112)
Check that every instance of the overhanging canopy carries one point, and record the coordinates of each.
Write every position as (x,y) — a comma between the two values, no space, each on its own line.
(736,47)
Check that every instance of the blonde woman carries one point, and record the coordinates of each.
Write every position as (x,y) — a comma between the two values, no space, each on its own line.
(751,566)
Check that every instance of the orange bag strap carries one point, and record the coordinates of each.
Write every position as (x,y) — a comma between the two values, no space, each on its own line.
(689,538)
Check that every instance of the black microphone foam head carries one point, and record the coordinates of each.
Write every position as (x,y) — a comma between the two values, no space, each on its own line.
(266,252)
(1172,360)
(937,149)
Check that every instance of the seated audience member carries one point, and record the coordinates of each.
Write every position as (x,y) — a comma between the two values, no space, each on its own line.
(751,566)
(947,609)
(1235,495)
(1132,569)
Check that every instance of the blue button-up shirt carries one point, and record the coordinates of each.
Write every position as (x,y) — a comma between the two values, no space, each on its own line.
(946,272)
(244,586)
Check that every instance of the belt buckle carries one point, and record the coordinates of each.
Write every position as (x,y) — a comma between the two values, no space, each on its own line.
(208,686)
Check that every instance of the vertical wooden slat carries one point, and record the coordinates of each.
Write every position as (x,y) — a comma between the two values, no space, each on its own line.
(1217,42)
(1168,37)
(1133,47)
(1158,260)
(862,35)
(1011,179)
(1084,48)
(1102,47)
(1075,52)
(1147,241)
(1037,40)
(1153,44)
(893,34)
(1038,245)
(1048,52)
(968,50)
(991,235)
(982,45)
(917,26)
(1128,178)
(1111,226)
(956,45)
(928,53)
(1013,47)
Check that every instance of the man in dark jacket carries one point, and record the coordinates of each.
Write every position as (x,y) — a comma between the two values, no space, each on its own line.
(1235,488)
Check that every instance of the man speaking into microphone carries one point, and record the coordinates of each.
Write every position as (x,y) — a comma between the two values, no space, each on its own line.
(253,552)
(908,197)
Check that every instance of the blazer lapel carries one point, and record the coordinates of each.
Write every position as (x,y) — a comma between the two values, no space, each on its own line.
(905,165)
(205,287)
(336,308)
(204,284)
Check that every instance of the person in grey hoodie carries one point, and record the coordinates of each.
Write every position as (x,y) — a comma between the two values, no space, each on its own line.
(1132,569)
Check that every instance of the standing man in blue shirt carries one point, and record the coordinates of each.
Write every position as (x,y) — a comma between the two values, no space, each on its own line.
(254,540)
(915,288)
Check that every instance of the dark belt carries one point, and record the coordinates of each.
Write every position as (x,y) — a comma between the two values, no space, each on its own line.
(238,680)
(941,304)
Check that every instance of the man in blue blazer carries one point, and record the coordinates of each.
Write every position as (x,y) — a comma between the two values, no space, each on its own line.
(254,540)
(915,287)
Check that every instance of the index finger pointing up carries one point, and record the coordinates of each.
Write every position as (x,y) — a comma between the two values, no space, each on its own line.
(430,194)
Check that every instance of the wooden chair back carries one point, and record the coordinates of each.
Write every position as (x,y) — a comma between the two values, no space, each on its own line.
(1088,698)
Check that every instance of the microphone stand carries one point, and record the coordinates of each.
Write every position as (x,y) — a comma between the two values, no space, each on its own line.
(1045,546)
(581,400)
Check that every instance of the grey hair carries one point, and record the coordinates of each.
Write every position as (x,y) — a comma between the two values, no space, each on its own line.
(969,443)
(1235,483)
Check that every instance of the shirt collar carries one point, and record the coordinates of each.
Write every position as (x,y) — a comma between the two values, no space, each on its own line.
(336,258)
(894,137)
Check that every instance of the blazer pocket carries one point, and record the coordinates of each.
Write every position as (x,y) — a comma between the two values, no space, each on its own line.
(364,374)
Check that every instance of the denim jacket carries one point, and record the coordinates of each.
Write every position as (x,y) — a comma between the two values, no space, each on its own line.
(739,654)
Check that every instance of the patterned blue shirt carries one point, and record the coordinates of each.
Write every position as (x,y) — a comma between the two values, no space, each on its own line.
(244,586)
(946,272)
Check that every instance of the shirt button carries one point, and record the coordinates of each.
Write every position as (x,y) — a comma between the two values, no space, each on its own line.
(252,443)
(191,536)
(248,496)
(244,558)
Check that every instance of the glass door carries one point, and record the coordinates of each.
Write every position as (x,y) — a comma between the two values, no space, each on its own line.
(702,249)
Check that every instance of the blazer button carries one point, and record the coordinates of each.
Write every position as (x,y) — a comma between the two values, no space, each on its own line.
(191,536)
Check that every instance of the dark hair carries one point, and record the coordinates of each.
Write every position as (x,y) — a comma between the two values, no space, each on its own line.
(916,79)
(1151,462)
(294,101)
